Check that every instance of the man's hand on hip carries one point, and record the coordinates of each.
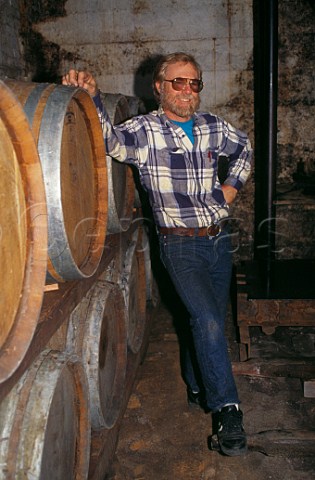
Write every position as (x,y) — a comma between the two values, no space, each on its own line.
(229,193)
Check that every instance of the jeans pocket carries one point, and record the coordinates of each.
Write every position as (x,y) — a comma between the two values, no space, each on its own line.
(170,241)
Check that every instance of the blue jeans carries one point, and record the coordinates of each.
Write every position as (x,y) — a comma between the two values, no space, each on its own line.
(200,269)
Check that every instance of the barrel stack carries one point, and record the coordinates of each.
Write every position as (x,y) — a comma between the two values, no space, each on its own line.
(76,297)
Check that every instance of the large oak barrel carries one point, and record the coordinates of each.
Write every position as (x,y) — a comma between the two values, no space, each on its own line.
(121,187)
(45,422)
(97,333)
(23,234)
(70,143)
(133,284)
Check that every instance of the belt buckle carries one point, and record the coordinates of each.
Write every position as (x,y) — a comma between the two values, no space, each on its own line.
(216,225)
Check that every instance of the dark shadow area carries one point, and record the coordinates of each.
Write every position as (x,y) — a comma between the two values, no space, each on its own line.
(42,58)
(143,82)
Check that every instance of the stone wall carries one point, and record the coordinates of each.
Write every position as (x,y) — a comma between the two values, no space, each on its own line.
(296,93)
(11,50)
(296,140)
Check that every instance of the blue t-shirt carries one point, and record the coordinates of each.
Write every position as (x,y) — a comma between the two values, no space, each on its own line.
(187,127)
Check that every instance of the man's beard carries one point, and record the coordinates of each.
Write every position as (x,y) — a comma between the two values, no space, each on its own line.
(168,102)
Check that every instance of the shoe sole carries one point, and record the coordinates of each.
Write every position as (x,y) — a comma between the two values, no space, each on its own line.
(233,453)
(217,447)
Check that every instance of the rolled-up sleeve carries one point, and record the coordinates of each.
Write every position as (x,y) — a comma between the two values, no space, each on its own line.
(237,147)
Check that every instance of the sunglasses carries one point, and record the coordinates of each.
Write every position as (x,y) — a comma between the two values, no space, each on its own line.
(179,84)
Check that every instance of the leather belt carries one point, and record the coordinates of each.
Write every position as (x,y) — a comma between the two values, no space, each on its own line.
(211,231)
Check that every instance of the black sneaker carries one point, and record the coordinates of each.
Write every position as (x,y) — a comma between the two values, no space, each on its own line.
(228,427)
(194,399)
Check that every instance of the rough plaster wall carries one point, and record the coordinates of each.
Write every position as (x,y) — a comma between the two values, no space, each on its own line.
(297,241)
(296,124)
(11,58)
(296,92)
(114,39)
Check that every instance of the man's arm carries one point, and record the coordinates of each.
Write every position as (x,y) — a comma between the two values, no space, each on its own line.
(236,146)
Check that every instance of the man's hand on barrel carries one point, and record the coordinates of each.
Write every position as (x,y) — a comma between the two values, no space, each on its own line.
(81,79)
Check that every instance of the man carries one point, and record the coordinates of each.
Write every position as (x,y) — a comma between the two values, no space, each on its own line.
(176,150)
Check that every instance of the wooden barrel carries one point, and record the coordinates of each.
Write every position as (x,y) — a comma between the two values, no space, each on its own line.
(136,105)
(70,143)
(133,284)
(45,422)
(23,234)
(121,188)
(97,333)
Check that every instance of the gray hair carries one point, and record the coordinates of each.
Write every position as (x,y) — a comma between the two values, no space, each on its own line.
(165,61)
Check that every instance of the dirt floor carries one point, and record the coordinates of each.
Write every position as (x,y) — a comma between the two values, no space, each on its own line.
(161,438)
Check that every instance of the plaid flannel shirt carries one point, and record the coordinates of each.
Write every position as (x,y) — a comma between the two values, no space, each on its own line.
(181,178)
